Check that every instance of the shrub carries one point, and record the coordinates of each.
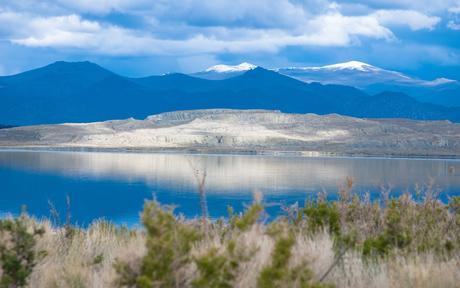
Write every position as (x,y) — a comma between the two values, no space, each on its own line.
(280,274)
(398,227)
(454,207)
(411,227)
(18,256)
(215,270)
(272,275)
(400,224)
(249,218)
(394,235)
(168,245)
(220,268)
(323,215)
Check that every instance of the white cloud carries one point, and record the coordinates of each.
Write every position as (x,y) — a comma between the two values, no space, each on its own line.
(72,31)
(455,10)
(423,6)
(59,31)
(242,13)
(415,20)
(337,30)
(193,27)
(230,9)
(104,6)
(404,55)
(453,25)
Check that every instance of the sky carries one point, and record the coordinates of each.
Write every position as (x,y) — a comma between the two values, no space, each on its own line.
(147,37)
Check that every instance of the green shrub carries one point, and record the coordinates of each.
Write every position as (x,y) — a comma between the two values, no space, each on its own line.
(18,255)
(397,234)
(280,274)
(410,227)
(98,259)
(454,207)
(401,226)
(249,217)
(323,215)
(168,245)
(126,275)
(219,269)
(272,275)
(215,270)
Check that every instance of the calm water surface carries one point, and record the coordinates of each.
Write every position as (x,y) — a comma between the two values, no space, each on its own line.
(114,185)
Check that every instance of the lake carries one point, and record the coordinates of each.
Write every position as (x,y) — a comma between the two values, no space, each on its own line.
(114,186)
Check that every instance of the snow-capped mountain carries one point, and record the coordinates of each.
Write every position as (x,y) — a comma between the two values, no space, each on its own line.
(351,65)
(220,72)
(371,79)
(358,74)
(353,73)
(374,80)
(440,81)
(245,66)
(80,92)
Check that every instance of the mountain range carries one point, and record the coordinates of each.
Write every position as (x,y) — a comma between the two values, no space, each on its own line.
(366,77)
(85,92)
(374,79)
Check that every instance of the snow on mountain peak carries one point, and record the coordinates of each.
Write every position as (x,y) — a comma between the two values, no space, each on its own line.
(351,65)
(228,68)
(439,81)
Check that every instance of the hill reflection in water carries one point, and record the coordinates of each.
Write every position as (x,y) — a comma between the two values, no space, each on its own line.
(114,185)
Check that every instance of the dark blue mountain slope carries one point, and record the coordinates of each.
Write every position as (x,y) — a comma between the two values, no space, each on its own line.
(84,92)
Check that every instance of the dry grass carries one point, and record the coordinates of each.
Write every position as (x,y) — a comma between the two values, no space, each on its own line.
(71,262)
(86,258)
(430,258)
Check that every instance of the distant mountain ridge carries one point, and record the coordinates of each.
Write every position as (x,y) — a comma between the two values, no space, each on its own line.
(220,72)
(374,80)
(370,74)
(369,78)
(85,92)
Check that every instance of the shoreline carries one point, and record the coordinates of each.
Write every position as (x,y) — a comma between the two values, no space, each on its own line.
(234,152)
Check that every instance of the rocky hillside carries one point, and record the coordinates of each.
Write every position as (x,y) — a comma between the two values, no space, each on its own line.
(221,130)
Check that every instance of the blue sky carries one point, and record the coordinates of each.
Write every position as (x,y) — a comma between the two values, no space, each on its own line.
(143,37)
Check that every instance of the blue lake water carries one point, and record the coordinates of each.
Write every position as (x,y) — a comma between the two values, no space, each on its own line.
(114,185)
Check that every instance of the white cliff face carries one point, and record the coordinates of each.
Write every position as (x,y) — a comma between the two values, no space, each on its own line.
(235,130)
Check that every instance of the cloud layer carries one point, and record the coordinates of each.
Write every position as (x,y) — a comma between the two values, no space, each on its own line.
(190,27)
(187,35)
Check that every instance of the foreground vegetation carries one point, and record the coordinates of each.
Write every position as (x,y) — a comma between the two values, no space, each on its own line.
(351,242)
